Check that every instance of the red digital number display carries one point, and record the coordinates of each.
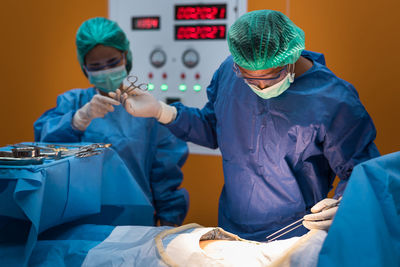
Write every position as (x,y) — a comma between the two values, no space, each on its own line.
(200,12)
(145,23)
(200,32)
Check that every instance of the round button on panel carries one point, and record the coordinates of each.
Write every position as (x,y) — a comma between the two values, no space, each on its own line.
(158,58)
(190,58)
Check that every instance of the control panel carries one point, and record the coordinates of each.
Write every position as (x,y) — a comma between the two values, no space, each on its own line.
(177,45)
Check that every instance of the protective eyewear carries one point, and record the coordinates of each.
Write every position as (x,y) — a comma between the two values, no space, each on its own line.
(254,80)
(115,62)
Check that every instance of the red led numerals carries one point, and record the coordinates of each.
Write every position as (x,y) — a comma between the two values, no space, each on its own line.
(147,23)
(200,32)
(200,12)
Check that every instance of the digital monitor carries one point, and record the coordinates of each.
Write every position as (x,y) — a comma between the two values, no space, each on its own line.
(145,23)
(200,32)
(200,12)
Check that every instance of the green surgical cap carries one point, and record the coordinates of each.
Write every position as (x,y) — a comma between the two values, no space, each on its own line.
(102,31)
(265,39)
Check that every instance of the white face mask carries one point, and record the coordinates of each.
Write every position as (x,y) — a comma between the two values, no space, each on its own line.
(274,90)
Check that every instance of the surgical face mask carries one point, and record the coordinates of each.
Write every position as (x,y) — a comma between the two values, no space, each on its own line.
(108,80)
(274,90)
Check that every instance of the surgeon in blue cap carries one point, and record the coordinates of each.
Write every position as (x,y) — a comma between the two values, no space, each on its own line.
(152,154)
(285,124)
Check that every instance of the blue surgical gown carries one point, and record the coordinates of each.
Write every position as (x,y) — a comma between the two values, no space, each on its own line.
(153,155)
(280,155)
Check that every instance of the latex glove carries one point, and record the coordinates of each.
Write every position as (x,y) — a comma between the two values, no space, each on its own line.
(322,214)
(143,104)
(98,106)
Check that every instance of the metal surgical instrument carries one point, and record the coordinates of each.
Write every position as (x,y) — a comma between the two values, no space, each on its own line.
(132,79)
(57,151)
(296,224)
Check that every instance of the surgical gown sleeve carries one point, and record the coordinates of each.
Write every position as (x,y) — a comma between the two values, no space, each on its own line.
(55,124)
(349,138)
(195,125)
(170,202)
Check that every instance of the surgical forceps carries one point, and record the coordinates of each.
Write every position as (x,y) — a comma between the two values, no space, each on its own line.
(90,150)
(296,224)
(132,79)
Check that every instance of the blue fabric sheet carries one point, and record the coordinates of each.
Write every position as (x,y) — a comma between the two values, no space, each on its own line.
(97,189)
(67,245)
(366,228)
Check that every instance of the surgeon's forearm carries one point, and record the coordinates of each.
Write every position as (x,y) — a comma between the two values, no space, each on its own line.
(57,129)
(340,188)
(195,125)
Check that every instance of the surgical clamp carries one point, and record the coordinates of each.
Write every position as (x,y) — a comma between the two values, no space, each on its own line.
(132,79)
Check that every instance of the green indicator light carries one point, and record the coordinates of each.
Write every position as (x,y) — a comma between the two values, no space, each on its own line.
(182,87)
(197,87)
(164,87)
(150,86)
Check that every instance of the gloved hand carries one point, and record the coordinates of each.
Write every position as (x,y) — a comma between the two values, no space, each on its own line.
(98,106)
(322,214)
(142,104)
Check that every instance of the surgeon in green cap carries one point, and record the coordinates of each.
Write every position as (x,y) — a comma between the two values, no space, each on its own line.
(151,153)
(285,124)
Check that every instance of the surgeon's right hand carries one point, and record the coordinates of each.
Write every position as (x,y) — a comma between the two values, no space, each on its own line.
(322,214)
(98,107)
(143,104)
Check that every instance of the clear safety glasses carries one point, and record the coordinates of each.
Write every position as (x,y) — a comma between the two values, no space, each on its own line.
(111,64)
(254,80)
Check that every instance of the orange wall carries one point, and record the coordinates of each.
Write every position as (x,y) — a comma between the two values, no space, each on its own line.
(39,59)
(359,40)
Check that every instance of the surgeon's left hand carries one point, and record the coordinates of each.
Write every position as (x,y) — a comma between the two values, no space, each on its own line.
(322,214)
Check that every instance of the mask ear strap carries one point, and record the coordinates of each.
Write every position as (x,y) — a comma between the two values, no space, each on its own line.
(124,58)
(86,70)
(292,68)
(292,73)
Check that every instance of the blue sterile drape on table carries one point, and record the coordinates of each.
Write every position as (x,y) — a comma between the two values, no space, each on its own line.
(33,198)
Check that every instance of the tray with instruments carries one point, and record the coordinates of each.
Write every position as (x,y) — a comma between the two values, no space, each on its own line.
(34,153)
